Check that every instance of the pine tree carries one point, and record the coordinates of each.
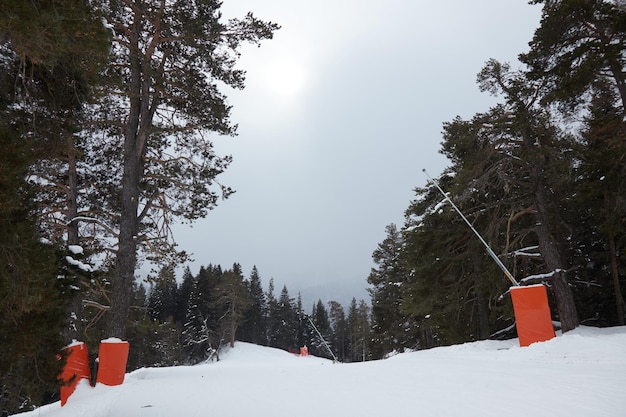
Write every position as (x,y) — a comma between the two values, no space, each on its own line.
(358,323)
(31,306)
(183,294)
(339,336)
(33,297)
(318,346)
(600,221)
(577,43)
(200,336)
(577,52)
(253,328)
(286,320)
(452,282)
(283,321)
(234,301)
(543,149)
(162,98)
(154,342)
(44,79)
(305,333)
(59,48)
(162,300)
(273,319)
(389,323)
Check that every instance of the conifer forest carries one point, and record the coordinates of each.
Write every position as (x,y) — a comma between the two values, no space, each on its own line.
(107,108)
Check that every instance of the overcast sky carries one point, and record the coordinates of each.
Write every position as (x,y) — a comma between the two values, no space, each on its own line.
(341,112)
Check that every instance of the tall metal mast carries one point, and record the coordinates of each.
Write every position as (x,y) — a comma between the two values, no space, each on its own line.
(489,251)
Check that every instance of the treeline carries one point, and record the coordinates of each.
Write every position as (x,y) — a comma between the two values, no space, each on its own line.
(108,112)
(191,322)
(541,175)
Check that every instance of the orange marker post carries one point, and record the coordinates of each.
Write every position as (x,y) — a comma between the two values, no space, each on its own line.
(112,359)
(75,369)
(532,314)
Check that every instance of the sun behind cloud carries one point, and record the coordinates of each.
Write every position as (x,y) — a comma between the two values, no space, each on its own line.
(285,77)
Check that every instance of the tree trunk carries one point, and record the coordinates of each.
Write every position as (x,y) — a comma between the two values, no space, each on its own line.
(134,142)
(482,305)
(483,314)
(619,299)
(233,323)
(75,306)
(127,243)
(72,197)
(549,246)
(126,253)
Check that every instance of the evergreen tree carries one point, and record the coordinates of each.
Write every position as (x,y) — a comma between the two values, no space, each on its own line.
(183,294)
(600,230)
(449,281)
(253,328)
(234,300)
(286,321)
(161,98)
(455,288)
(305,333)
(162,300)
(318,346)
(578,42)
(389,323)
(56,50)
(283,321)
(45,73)
(31,306)
(153,342)
(273,317)
(339,337)
(544,150)
(358,324)
(578,53)
(200,336)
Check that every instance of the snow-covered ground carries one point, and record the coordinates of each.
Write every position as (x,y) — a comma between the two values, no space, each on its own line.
(579,374)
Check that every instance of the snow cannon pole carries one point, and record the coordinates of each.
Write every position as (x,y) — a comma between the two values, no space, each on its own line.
(489,251)
(322,337)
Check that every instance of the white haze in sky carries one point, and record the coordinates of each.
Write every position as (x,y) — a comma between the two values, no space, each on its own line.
(342,111)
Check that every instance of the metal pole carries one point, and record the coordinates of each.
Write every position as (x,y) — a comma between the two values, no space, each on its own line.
(489,251)
(322,337)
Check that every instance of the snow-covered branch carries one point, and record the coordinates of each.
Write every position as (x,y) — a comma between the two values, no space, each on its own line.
(540,277)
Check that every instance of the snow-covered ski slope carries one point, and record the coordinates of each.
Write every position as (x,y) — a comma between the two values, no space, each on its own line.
(579,374)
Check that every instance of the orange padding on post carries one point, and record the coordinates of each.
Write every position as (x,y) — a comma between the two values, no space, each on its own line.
(112,359)
(75,369)
(532,314)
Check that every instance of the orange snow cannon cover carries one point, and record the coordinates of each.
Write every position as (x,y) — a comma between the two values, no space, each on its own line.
(532,314)
(75,369)
(112,359)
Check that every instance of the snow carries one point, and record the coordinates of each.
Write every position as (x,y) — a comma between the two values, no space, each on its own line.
(540,276)
(112,340)
(81,265)
(526,251)
(440,205)
(578,374)
(76,249)
(74,343)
